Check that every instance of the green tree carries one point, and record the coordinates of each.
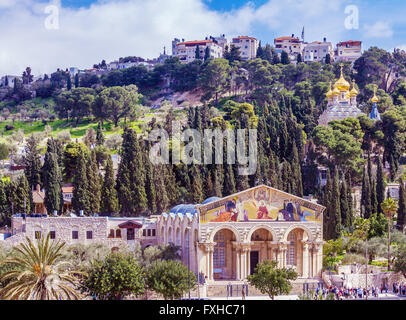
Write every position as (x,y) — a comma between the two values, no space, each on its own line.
(32,162)
(380,184)
(99,135)
(170,279)
(53,183)
(93,183)
(37,273)
(400,223)
(114,278)
(109,200)
(81,196)
(4,152)
(399,264)
(270,280)
(285,58)
(389,208)
(131,176)
(214,77)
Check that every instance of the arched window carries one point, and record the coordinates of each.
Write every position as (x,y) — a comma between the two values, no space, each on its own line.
(118,233)
(219,258)
(111,235)
(291,253)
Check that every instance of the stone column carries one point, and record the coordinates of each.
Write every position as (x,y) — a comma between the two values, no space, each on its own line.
(282,255)
(238,263)
(211,249)
(249,260)
(243,263)
(305,260)
(316,262)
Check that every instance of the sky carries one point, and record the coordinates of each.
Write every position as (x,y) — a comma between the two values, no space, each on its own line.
(51,34)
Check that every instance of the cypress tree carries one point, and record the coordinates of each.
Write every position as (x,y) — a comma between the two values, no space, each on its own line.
(77,80)
(131,176)
(69,83)
(297,171)
(345,214)
(335,206)
(206,53)
(4,205)
(197,52)
(22,196)
(380,184)
(327,199)
(99,135)
(149,184)
(374,201)
(366,195)
(350,218)
(229,181)
(53,177)
(80,199)
(32,162)
(197,185)
(162,198)
(217,175)
(401,221)
(93,180)
(109,201)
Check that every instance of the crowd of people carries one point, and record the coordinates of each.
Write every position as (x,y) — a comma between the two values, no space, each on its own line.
(359,292)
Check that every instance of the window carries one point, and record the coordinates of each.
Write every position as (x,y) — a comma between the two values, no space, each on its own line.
(219,250)
(144,232)
(37,234)
(89,234)
(111,235)
(291,252)
(75,234)
(52,234)
(153,232)
(149,232)
(118,233)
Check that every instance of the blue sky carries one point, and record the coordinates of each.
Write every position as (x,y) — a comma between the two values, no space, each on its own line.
(91,30)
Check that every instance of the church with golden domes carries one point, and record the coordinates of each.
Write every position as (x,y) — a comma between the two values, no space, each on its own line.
(342,102)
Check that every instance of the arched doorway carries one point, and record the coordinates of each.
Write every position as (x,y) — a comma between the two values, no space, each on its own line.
(224,256)
(261,248)
(294,251)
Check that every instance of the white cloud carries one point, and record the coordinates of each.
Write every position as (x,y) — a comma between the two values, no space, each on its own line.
(380,29)
(112,29)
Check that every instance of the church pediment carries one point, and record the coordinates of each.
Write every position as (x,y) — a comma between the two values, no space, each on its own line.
(261,203)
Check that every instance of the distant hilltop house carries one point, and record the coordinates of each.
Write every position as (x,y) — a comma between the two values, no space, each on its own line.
(186,50)
(346,51)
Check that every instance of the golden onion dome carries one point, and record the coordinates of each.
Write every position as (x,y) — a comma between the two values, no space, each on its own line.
(354,92)
(329,94)
(336,92)
(348,95)
(342,84)
(375,99)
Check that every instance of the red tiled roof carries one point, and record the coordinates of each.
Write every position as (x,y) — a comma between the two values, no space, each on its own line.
(351,43)
(195,42)
(286,38)
(245,37)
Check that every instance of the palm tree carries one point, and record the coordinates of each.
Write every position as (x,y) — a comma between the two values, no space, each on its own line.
(37,273)
(389,208)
